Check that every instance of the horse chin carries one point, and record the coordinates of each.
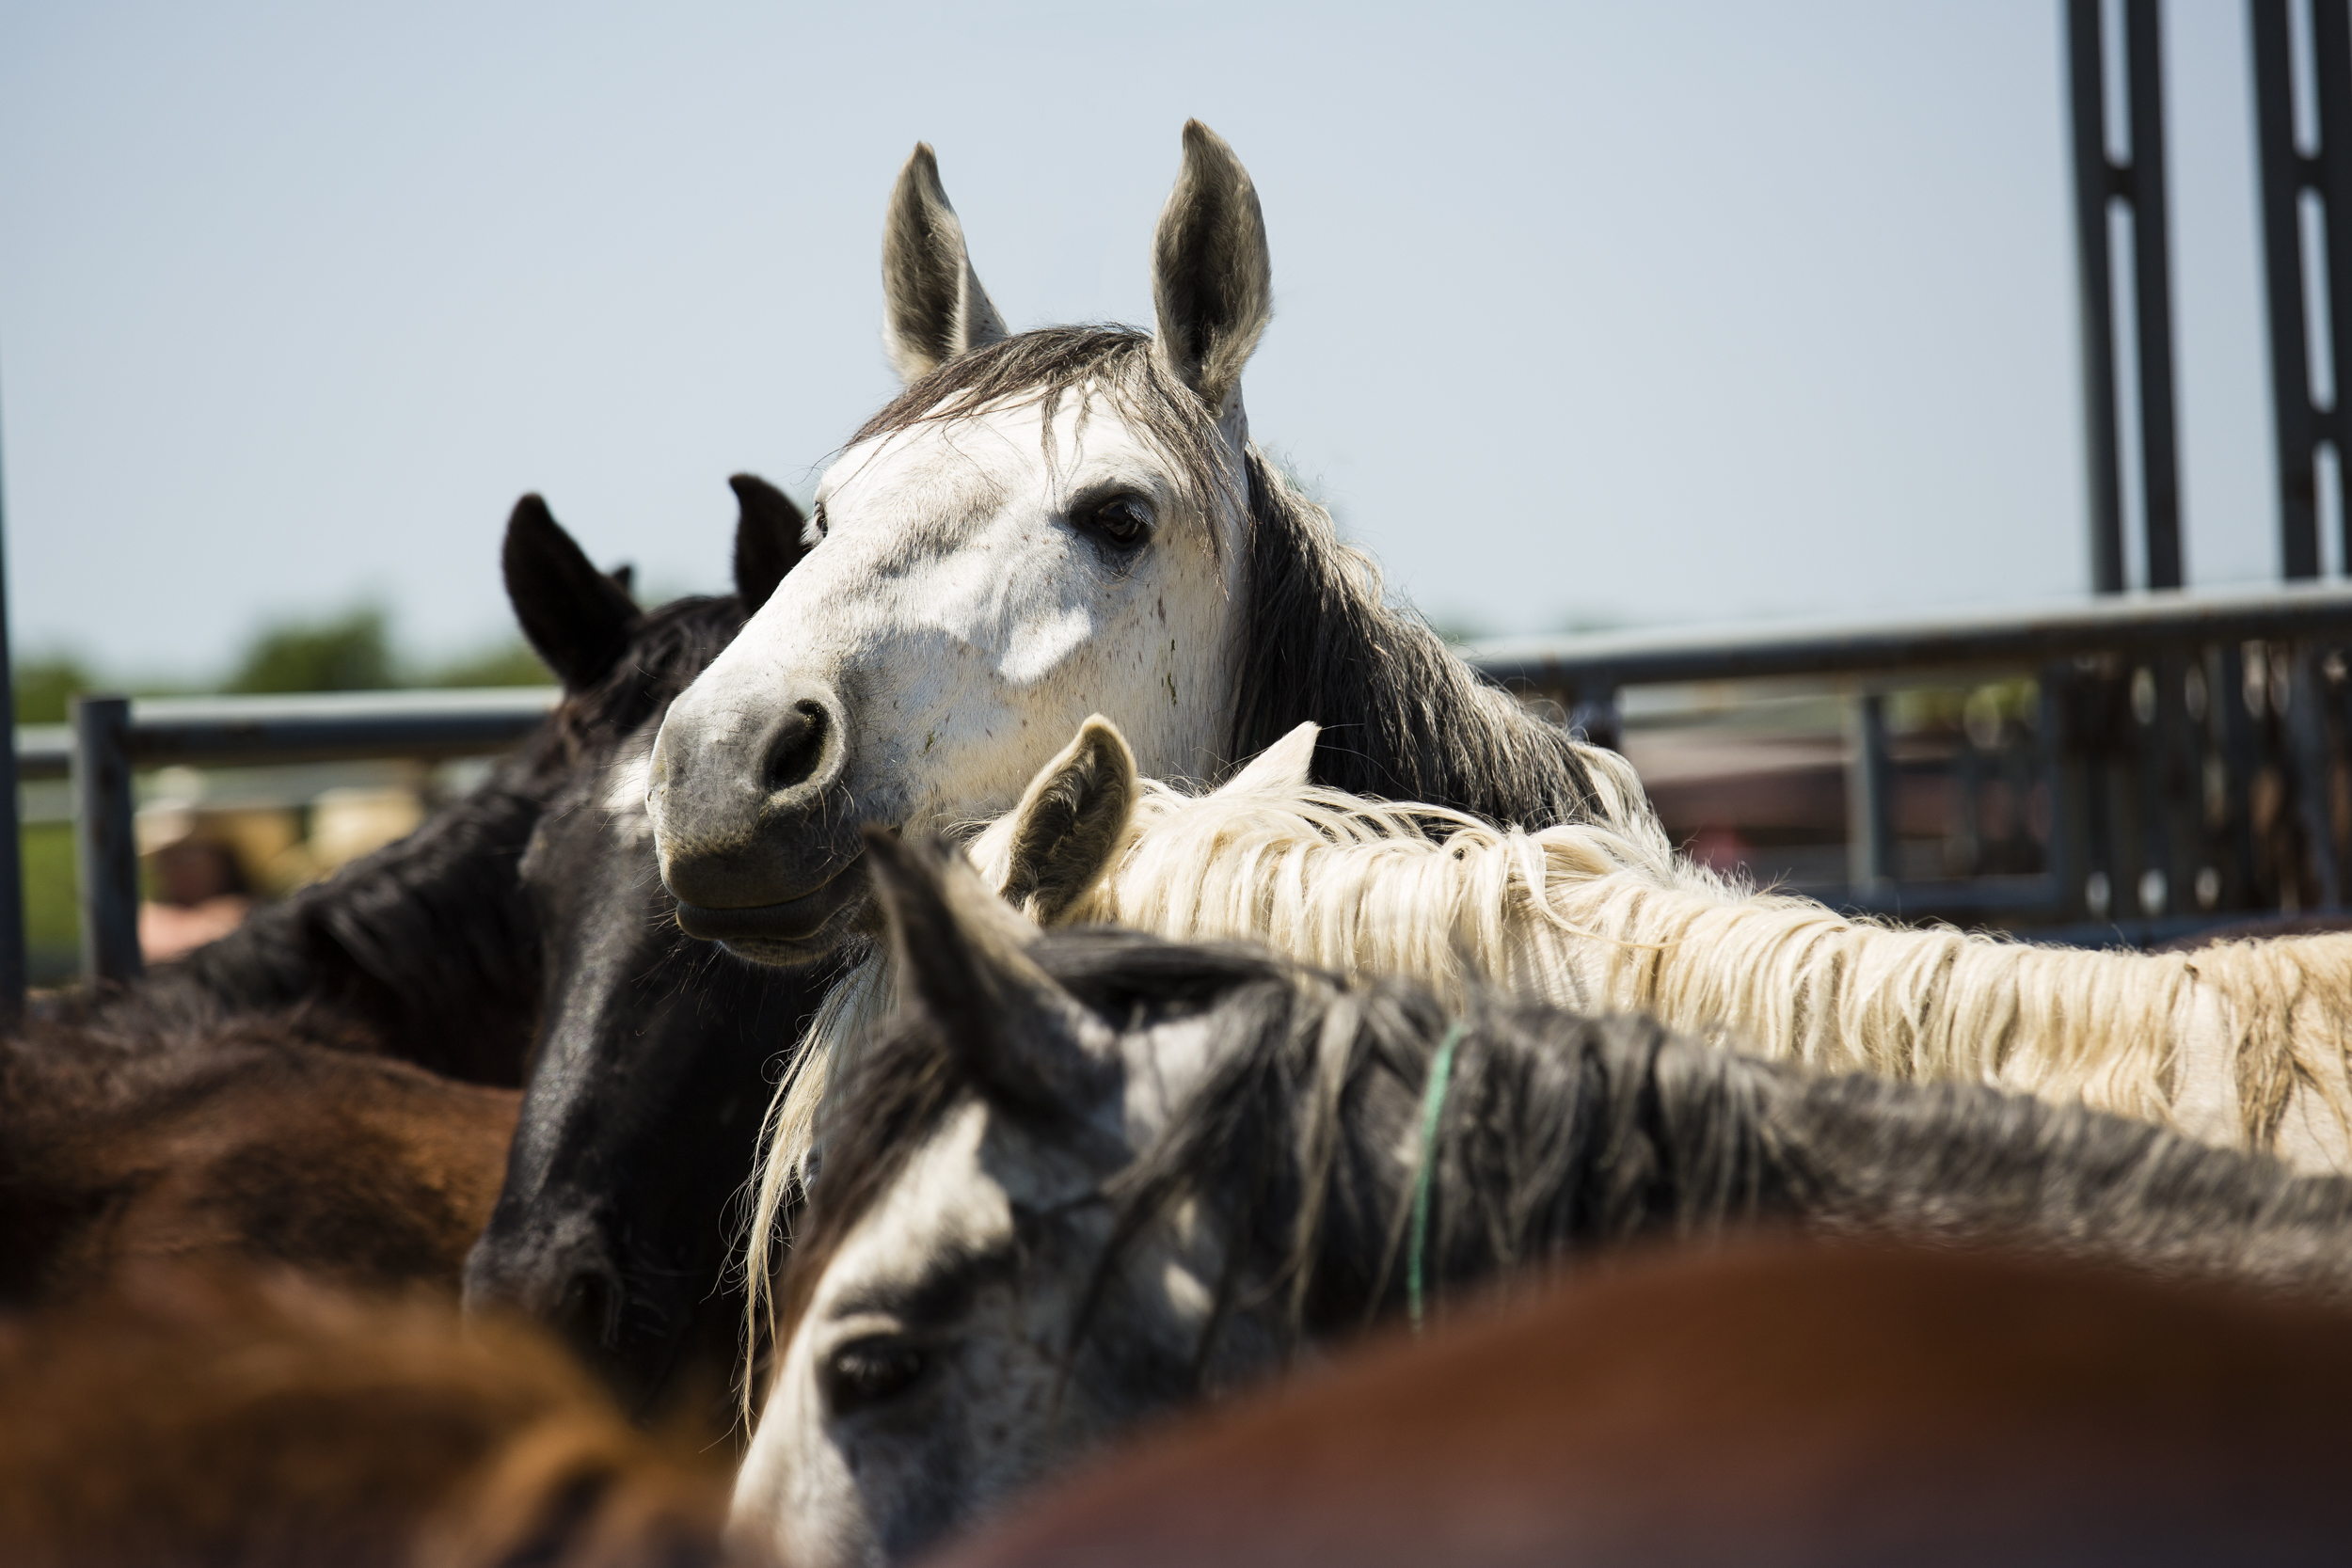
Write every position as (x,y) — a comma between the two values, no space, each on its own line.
(792,934)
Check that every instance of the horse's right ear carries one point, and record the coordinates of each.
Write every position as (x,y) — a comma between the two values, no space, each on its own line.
(933,306)
(1211,279)
(962,964)
(1070,821)
(575,617)
(768,542)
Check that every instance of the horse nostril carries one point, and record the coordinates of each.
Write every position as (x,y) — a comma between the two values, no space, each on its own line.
(798,749)
(588,1316)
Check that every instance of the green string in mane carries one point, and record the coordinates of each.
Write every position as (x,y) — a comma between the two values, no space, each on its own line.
(1432,1108)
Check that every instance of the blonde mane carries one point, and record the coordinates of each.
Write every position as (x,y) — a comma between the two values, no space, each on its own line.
(2242,1044)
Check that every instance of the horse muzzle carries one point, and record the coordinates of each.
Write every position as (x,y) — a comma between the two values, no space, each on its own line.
(756,835)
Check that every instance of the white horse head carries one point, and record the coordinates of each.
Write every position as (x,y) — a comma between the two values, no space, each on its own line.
(1067,522)
(1041,526)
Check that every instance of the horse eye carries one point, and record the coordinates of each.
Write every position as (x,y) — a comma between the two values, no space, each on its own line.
(869,1372)
(1123,520)
(818,525)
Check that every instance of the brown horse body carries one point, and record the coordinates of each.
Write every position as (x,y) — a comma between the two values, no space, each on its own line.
(198,1419)
(258,1141)
(1762,1405)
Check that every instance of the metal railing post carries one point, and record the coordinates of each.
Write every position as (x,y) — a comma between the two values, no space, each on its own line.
(2138,181)
(2302,423)
(106,852)
(1869,798)
(1596,715)
(12,955)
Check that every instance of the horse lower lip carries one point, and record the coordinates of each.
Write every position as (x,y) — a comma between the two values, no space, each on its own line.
(793,920)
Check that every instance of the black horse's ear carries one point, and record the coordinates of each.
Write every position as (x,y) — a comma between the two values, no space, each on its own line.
(768,539)
(962,964)
(576,617)
(1071,822)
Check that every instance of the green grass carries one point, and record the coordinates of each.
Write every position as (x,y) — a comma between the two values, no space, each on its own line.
(52,924)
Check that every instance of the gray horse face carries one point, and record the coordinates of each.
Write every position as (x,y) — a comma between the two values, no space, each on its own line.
(958,1334)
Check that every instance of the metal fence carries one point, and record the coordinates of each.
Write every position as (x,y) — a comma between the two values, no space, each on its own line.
(2195,750)
(111,737)
(2192,751)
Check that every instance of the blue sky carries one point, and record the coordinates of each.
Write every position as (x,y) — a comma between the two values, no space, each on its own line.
(1667,312)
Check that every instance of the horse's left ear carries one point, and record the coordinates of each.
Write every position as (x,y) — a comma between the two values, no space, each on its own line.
(1211,279)
(767,539)
(963,961)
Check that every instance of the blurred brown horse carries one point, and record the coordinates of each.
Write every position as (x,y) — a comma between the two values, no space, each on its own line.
(1762,1405)
(260,1140)
(328,1088)
(205,1419)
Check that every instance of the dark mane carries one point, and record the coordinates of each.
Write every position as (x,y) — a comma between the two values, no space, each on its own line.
(431,939)
(1560,1133)
(1402,716)
(667,648)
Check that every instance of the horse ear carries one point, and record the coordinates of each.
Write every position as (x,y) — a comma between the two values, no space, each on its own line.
(1283,767)
(962,962)
(575,617)
(768,540)
(1211,279)
(933,306)
(1070,822)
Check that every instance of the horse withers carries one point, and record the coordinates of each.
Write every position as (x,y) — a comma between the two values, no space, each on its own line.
(1090,1174)
(1043,525)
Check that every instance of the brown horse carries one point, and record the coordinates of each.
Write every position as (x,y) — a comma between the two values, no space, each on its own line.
(258,1140)
(1762,1405)
(219,1420)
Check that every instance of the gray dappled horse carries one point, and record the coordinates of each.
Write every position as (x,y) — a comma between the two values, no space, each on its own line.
(1088,1175)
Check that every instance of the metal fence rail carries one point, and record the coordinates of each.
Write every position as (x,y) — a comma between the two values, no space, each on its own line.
(2196,749)
(111,737)
(2144,740)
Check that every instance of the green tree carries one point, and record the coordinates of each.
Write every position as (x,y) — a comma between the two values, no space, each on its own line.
(46,685)
(511,663)
(350,652)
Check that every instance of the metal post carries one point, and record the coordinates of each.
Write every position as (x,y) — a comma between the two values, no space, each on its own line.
(2138,182)
(12,968)
(1596,715)
(2313,769)
(2152,292)
(2301,424)
(1869,800)
(106,854)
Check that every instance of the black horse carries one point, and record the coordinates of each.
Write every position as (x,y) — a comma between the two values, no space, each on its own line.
(516,934)
(640,1119)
